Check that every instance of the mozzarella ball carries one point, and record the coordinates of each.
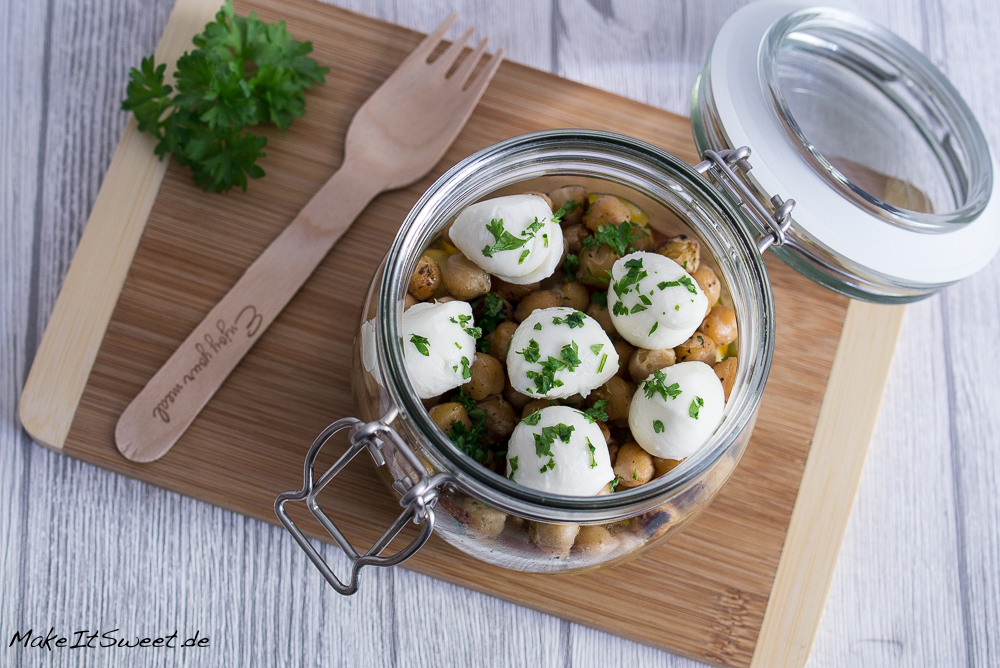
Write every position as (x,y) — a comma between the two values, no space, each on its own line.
(511,237)
(677,409)
(438,348)
(559,450)
(654,303)
(558,352)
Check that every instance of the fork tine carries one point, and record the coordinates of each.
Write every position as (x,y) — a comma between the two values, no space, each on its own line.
(478,86)
(465,69)
(426,47)
(451,54)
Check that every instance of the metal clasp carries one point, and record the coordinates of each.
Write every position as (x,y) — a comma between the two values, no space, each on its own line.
(419,495)
(723,165)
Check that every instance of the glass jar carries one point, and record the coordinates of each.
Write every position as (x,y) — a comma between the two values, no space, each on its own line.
(896,195)
(476,510)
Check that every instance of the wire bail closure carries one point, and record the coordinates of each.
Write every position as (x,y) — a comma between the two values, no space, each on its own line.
(418,489)
(723,165)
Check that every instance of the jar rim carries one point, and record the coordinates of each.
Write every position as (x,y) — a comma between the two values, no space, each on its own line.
(636,165)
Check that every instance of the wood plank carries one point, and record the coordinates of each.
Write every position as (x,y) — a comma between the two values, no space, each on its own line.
(90,290)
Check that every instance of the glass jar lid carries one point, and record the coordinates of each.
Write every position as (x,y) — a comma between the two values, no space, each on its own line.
(892,176)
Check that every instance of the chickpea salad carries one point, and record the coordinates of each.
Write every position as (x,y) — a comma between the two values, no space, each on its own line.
(561,342)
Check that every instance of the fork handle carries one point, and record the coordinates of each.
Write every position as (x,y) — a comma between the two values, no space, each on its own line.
(175,395)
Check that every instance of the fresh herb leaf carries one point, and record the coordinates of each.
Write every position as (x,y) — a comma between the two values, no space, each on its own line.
(596,412)
(571,265)
(619,308)
(596,348)
(482,345)
(593,450)
(524,254)
(599,298)
(538,326)
(657,385)
(463,321)
(548,466)
(243,73)
(683,280)
(513,468)
(466,370)
(545,380)
(637,308)
(574,320)
(531,353)
(506,241)
(421,344)
(696,405)
(568,205)
(618,238)
(533,418)
(653,328)
(604,358)
(493,311)
(614,483)
(657,426)
(631,278)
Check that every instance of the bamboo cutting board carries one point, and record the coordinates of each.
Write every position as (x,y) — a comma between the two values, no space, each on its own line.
(743,585)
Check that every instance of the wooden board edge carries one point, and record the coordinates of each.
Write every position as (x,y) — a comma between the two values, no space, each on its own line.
(829,485)
(97,273)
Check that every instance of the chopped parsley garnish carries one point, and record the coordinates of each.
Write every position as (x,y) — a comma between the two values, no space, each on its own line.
(636,309)
(614,483)
(696,404)
(656,385)
(683,280)
(545,380)
(635,274)
(506,241)
(571,265)
(596,412)
(466,370)
(635,474)
(524,255)
(545,439)
(596,348)
(574,320)
(531,353)
(421,344)
(619,308)
(599,298)
(653,328)
(567,206)
(604,358)
(493,311)
(618,238)
(482,345)
(538,326)
(657,426)
(593,461)
(470,441)
(513,467)
(533,418)
(463,321)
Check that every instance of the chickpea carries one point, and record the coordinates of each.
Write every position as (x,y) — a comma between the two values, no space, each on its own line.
(664,466)
(425,278)
(574,295)
(535,301)
(562,195)
(596,540)
(683,250)
(409,301)
(603,317)
(445,414)
(499,340)
(513,292)
(483,519)
(699,348)
(463,279)
(634,465)
(548,200)
(625,352)
(605,210)
(574,236)
(604,490)
(720,324)
(487,378)
(645,362)
(515,398)
(726,371)
(644,242)
(618,393)
(709,283)
(557,538)
(605,432)
(595,263)
(500,418)
(446,233)
(613,453)
(535,406)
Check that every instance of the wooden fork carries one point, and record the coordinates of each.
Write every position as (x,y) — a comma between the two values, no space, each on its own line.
(396,137)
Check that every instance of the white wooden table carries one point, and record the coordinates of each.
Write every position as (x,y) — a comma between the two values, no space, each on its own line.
(918,582)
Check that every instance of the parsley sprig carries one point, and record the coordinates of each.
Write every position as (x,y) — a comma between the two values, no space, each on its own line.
(683,280)
(596,412)
(506,241)
(574,320)
(619,237)
(244,72)
(545,439)
(545,380)
(470,440)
